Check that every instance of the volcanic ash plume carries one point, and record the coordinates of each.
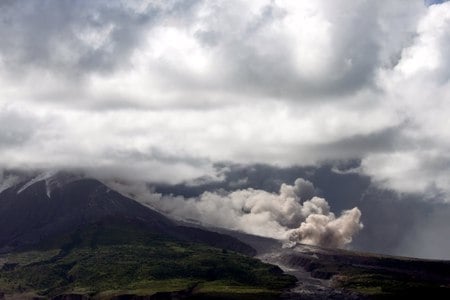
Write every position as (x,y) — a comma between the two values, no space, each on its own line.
(293,214)
(326,230)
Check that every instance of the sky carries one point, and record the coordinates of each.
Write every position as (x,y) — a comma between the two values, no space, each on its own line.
(173,91)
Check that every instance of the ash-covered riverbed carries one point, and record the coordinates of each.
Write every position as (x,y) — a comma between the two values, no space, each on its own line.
(307,287)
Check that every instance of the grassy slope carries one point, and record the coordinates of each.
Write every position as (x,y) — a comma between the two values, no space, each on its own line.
(106,261)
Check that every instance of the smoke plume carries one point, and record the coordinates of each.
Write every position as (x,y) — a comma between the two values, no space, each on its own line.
(293,214)
(327,230)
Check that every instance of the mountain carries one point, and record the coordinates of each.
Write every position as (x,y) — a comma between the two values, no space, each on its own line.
(43,207)
(67,237)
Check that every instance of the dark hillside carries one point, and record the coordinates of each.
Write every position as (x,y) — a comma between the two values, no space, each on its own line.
(30,213)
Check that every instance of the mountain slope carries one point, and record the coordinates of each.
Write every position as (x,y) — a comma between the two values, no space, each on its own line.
(39,209)
(71,237)
(107,260)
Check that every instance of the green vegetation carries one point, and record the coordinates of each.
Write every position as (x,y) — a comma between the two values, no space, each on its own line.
(115,260)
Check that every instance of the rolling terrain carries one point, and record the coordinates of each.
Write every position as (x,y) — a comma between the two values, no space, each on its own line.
(114,259)
(71,238)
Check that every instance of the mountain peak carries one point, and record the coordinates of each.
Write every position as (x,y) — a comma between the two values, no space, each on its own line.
(52,204)
(52,179)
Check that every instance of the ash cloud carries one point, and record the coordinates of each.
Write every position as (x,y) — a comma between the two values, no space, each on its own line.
(292,214)
(327,230)
(394,223)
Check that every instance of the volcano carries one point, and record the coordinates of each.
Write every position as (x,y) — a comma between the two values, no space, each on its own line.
(43,207)
(64,236)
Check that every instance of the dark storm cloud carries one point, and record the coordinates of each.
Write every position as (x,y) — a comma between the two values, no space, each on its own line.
(74,38)
(431,2)
(428,236)
(358,146)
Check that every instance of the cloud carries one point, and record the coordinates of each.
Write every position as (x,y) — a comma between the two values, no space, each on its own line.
(163,90)
(7,180)
(293,214)
(17,126)
(394,223)
(433,2)
(117,51)
(427,238)
(417,87)
(73,39)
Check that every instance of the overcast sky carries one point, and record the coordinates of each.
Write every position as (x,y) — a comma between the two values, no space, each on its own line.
(163,90)
(236,98)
